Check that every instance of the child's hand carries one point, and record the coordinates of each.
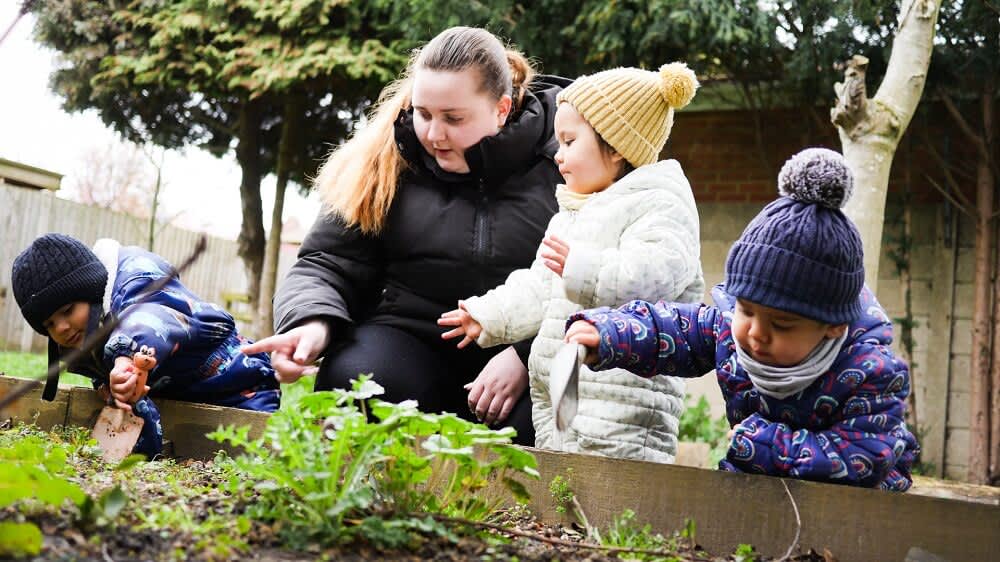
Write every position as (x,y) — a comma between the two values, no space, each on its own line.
(585,334)
(465,324)
(554,253)
(123,382)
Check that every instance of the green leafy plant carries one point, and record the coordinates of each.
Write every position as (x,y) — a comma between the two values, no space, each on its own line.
(561,492)
(34,475)
(697,424)
(745,553)
(328,472)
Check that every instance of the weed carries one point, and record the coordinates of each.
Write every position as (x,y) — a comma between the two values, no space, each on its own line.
(329,474)
(561,492)
(697,424)
(745,553)
(34,476)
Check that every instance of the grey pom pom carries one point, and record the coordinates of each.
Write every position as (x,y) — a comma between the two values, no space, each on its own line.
(817,175)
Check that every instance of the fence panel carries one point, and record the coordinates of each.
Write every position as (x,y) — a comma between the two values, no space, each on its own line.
(27,213)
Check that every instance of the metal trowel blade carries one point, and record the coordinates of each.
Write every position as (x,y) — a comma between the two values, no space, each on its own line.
(117,432)
(564,379)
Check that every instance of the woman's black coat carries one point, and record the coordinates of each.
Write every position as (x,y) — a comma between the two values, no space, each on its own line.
(447,236)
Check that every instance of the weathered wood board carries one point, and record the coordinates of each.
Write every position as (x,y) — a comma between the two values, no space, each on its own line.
(728,509)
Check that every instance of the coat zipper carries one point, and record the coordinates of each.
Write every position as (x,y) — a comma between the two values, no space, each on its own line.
(481,225)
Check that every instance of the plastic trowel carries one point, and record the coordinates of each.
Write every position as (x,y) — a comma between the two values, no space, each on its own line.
(564,379)
(118,430)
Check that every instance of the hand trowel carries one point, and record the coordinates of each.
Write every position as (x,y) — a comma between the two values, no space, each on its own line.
(118,430)
(564,379)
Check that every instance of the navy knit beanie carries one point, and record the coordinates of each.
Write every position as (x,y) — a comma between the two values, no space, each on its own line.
(802,254)
(53,271)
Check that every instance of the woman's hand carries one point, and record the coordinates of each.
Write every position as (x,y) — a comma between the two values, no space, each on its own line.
(554,253)
(498,387)
(465,325)
(294,352)
(585,334)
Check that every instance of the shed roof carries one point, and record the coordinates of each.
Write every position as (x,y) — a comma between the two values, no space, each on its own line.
(17,173)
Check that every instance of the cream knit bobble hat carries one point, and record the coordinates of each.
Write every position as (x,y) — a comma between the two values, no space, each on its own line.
(633,109)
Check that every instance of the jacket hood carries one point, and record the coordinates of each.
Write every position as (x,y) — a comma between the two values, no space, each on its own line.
(666,175)
(528,134)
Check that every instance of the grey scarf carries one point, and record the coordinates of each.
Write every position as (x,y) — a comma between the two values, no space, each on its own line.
(782,382)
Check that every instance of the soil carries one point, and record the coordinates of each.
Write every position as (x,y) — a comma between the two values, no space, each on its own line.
(179,510)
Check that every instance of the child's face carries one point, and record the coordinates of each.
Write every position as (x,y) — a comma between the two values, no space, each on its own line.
(778,338)
(583,165)
(68,325)
(452,112)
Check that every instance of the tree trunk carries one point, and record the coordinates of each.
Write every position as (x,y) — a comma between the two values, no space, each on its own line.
(870,129)
(979,421)
(156,203)
(993,401)
(251,239)
(290,134)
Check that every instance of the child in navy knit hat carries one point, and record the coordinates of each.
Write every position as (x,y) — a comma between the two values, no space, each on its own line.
(66,291)
(800,346)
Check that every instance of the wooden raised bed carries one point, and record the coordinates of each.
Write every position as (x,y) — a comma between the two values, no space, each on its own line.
(854,524)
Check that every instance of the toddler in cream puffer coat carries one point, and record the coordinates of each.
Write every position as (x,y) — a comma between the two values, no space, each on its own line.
(627,228)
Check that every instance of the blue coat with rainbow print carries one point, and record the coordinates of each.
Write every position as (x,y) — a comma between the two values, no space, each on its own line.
(847,427)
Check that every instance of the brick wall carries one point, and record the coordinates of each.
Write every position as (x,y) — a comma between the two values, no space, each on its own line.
(724,161)
(732,179)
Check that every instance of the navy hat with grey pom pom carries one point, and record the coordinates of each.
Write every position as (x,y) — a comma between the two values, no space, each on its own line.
(802,254)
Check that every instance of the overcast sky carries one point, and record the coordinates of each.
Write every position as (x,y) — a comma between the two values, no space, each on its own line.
(201,190)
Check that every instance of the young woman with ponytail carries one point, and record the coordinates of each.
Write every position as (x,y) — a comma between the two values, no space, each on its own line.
(444,192)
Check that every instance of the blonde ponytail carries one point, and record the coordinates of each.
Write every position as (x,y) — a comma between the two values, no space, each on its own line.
(521,74)
(358,181)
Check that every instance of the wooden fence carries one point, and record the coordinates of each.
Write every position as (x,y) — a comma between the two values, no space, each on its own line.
(27,213)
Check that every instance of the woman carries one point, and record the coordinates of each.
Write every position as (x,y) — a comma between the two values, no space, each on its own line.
(444,193)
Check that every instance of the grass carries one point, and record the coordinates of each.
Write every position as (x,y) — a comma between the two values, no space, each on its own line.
(33,365)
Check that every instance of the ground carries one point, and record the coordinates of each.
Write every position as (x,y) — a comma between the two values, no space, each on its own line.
(174,510)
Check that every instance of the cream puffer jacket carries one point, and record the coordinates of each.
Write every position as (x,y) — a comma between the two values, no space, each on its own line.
(638,239)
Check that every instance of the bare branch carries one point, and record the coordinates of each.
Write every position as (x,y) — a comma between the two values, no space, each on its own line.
(948,195)
(548,540)
(946,168)
(798,524)
(963,125)
(852,98)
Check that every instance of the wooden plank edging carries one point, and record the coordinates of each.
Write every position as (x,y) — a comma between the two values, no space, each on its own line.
(854,524)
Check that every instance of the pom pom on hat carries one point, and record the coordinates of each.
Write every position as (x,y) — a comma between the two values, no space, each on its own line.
(801,253)
(677,84)
(817,175)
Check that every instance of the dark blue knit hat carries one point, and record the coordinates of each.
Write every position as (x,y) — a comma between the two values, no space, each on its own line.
(53,271)
(802,254)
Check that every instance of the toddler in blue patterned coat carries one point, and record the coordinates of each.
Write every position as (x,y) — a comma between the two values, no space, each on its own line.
(66,291)
(800,346)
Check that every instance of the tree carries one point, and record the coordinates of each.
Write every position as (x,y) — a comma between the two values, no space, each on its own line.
(870,129)
(212,73)
(114,176)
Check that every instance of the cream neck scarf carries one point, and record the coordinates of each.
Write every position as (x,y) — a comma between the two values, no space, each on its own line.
(571,200)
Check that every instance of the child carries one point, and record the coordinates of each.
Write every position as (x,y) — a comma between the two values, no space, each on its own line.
(66,291)
(627,226)
(799,345)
